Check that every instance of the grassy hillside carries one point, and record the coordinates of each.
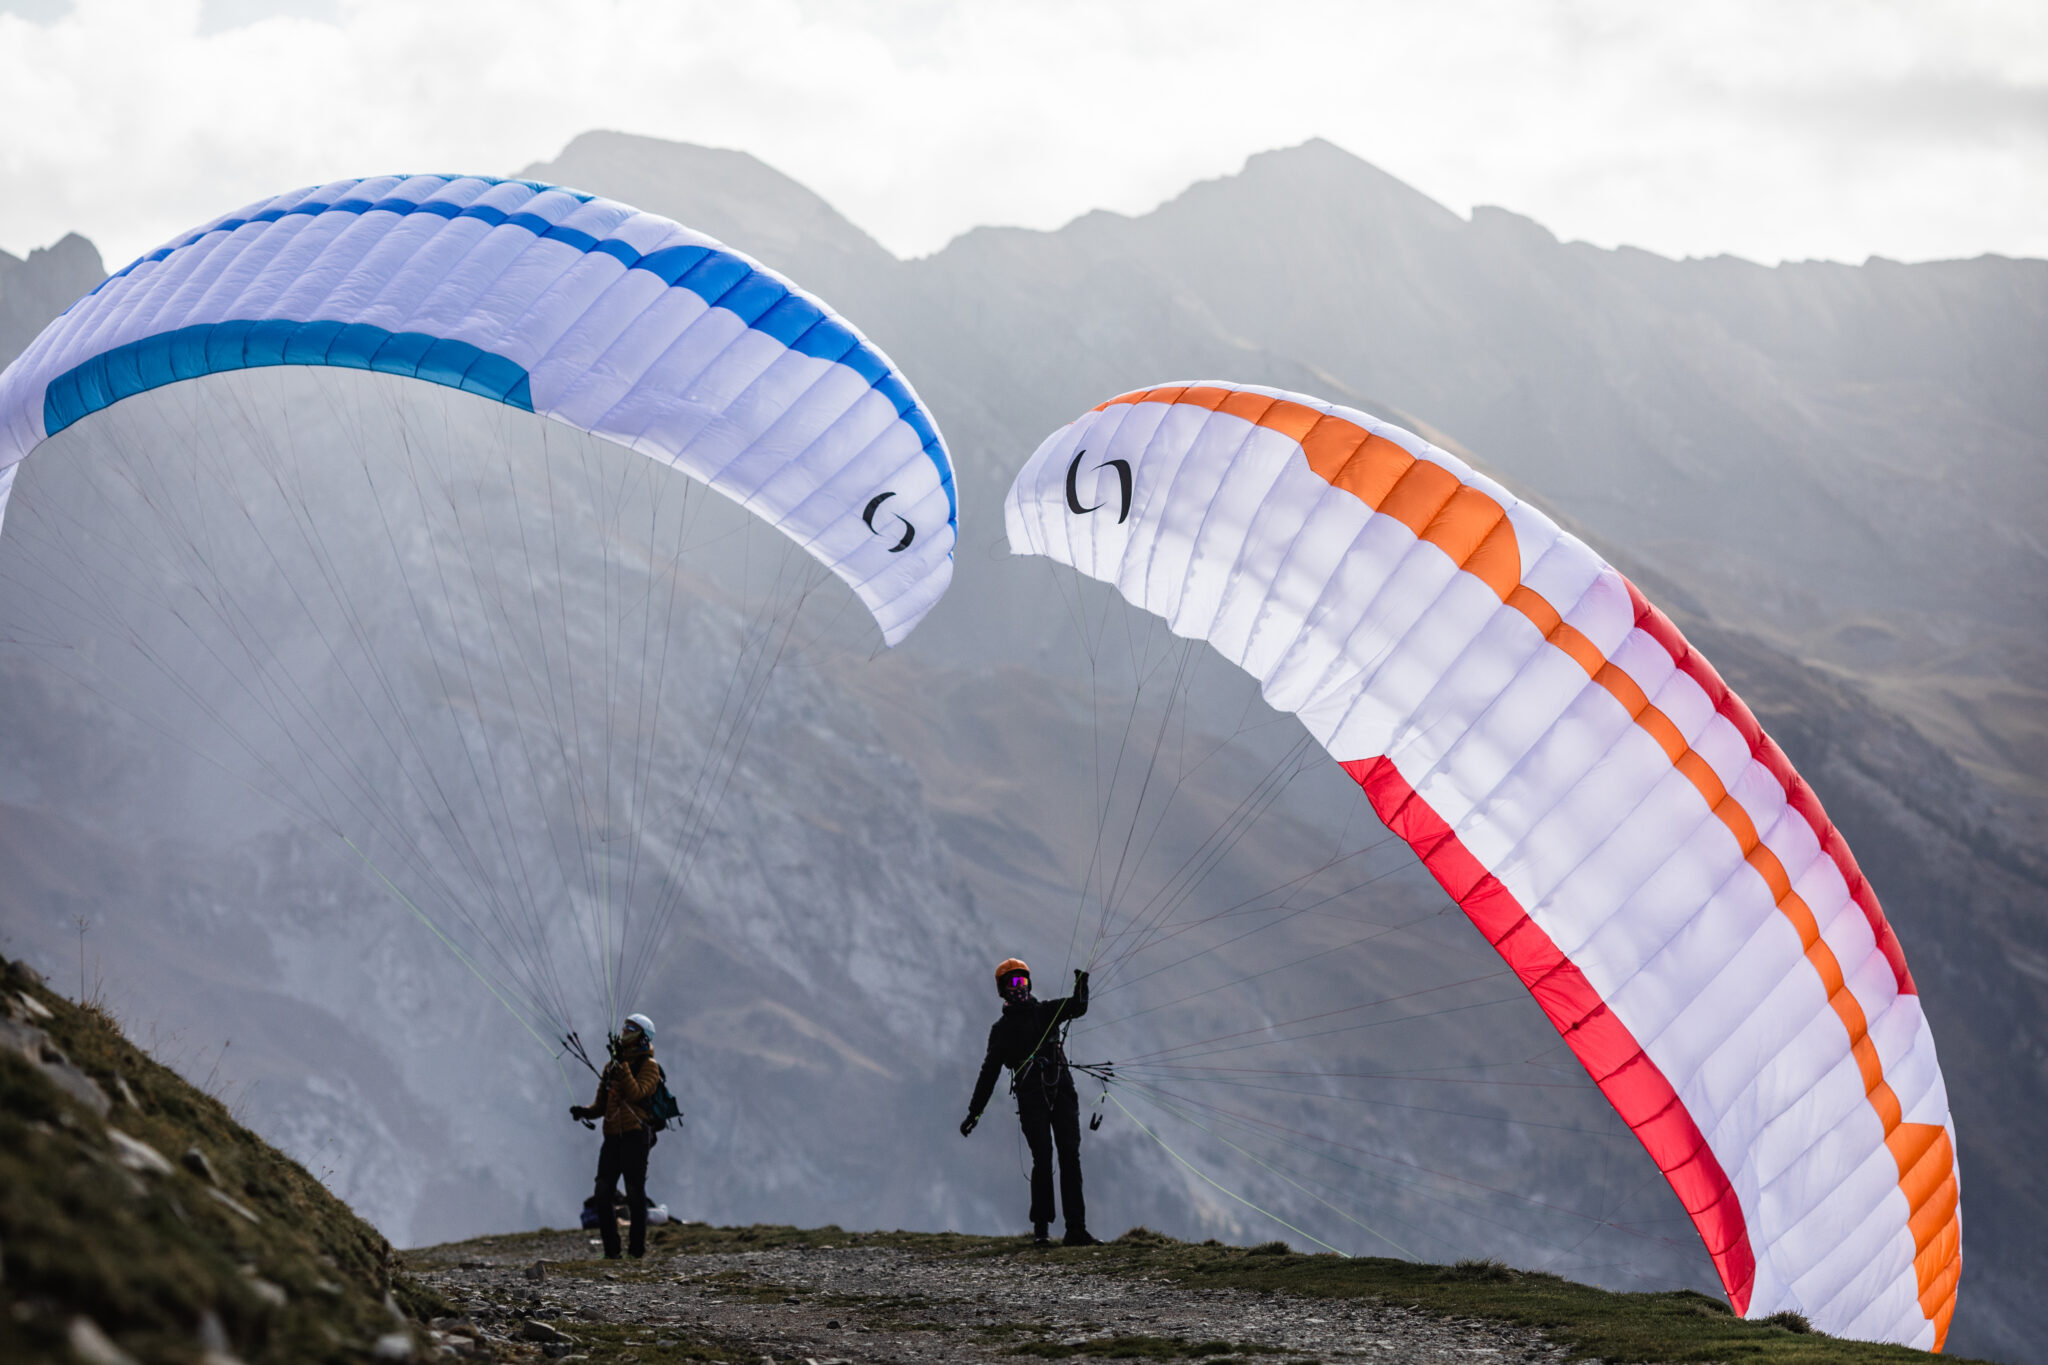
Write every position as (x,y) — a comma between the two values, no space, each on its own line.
(134,1211)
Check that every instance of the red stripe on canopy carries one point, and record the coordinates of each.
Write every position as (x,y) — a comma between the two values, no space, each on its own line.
(1602,1043)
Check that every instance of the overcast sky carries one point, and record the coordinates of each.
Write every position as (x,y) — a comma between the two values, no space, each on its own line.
(1773,129)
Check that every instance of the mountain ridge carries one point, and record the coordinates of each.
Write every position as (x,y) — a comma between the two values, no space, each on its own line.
(1601,376)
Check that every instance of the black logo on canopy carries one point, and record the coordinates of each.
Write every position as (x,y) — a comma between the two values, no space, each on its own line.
(1123,479)
(868,516)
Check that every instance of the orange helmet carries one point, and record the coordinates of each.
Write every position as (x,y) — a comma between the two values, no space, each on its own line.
(1009,967)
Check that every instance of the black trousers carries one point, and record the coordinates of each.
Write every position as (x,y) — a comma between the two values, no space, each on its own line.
(1051,1115)
(623,1154)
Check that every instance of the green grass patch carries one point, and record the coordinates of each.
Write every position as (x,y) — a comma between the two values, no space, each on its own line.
(597,1268)
(623,1343)
(889,1312)
(1003,1331)
(1679,1325)
(737,1284)
(1143,1348)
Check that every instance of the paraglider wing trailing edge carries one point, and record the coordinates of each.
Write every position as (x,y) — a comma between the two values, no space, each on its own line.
(1604,809)
(617,322)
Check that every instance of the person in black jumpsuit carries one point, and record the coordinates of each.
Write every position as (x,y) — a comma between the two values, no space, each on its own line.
(1027,1040)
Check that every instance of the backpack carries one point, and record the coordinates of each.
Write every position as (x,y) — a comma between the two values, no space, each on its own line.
(661,1108)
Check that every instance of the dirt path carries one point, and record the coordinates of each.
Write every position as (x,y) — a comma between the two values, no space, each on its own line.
(904,1303)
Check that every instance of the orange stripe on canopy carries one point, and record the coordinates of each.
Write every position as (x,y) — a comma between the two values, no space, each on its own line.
(1466,523)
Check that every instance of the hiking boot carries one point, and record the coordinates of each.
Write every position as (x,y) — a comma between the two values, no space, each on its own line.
(1080,1237)
(1038,1236)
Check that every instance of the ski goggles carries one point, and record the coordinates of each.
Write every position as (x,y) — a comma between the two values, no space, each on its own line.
(1015,981)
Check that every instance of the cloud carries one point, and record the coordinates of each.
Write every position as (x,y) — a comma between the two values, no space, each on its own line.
(1769,130)
(1939,109)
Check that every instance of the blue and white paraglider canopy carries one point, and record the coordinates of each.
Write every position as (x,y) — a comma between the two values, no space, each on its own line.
(617,322)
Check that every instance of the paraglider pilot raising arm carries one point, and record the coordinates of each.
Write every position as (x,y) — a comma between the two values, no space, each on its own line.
(1027,1040)
(1027,1030)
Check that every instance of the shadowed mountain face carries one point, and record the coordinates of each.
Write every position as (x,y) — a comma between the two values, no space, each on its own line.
(1833,476)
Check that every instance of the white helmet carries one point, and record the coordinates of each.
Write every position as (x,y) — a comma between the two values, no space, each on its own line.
(641,1022)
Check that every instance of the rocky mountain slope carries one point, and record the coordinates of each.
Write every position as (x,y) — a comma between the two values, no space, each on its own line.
(1829,473)
(138,1219)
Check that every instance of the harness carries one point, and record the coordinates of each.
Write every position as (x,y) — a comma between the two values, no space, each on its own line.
(1046,1065)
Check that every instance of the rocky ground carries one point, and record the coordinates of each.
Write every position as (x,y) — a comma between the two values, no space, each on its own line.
(891,1299)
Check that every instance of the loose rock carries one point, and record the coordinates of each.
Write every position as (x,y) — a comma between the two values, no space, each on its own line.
(271,1294)
(137,1155)
(33,1046)
(195,1161)
(212,1336)
(91,1346)
(232,1205)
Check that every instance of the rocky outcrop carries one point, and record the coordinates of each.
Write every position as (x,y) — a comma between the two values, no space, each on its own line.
(20,1035)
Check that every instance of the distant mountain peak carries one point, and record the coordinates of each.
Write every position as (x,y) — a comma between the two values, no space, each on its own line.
(654,154)
(1317,150)
(1316,177)
(35,290)
(71,252)
(732,195)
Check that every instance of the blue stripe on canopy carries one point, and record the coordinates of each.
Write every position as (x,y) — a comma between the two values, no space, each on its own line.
(721,278)
(209,348)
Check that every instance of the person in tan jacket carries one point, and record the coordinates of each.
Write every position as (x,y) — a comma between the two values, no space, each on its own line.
(628,1081)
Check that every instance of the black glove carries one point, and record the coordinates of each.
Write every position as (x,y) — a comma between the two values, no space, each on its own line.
(579,1113)
(1080,977)
(967,1124)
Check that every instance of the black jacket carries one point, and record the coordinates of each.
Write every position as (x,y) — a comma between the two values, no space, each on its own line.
(1028,1035)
